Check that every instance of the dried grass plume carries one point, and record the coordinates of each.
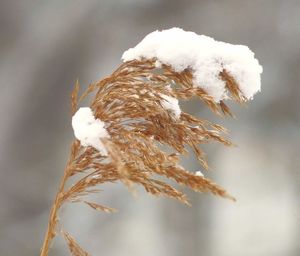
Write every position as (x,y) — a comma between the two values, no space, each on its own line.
(131,104)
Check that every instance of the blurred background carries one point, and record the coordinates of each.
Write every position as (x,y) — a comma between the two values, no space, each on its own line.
(46,45)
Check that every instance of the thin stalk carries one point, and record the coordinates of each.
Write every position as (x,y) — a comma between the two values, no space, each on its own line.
(52,223)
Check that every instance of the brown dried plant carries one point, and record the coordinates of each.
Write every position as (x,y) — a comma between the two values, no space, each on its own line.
(129,102)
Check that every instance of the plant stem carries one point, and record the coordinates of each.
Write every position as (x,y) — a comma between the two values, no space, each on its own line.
(51,233)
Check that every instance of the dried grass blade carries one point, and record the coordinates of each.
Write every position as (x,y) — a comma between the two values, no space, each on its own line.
(99,207)
(74,247)
(74,97)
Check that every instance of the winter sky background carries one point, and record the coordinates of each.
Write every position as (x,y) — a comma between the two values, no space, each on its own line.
(46,45)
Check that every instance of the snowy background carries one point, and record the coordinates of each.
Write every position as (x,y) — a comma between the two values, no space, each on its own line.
(46,45)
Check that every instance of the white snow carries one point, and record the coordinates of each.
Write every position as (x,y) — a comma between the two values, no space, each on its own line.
(89,130)
(206,58)
(171,104)
(199,173)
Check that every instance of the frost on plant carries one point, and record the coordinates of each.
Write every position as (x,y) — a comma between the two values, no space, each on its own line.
(137,108)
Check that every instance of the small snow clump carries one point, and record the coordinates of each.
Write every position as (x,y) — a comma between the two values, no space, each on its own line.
(171,104)
(199,173)
(89,130)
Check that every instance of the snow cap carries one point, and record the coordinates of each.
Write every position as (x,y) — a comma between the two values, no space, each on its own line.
(205,57)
